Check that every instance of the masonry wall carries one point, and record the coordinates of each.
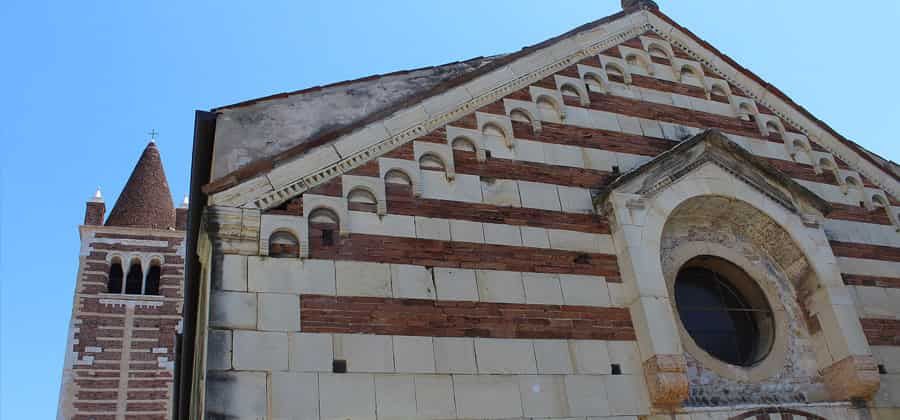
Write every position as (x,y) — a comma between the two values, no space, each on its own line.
(121,349)
(485,285)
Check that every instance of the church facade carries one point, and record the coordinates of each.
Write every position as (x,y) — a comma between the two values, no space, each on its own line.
(120,349)
(619,222)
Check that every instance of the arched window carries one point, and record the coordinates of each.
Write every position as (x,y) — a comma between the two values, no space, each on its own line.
(491,129)
(134,282)
(430,161)
(773,129)
(658,53)
(323,223)
(717,92)
(462,143)
(614,73)
(283,244)
(362,200)
(151,284)
(593,82)
(569,90)
(396,176)
(519,115)
(746,112)
(548,107)
(114,285)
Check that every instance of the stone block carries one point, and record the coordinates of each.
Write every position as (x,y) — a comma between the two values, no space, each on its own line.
(627,395)
(233,274)
(454,355)
(364,352)
(431,228)
(487,396)
(278,312)
(219,350)
(500,192)
(347,396)
(505,356)
(570,240)
(500,286)
(236,395)
(466,231)
(232,310)
(255,350)
(455,284)
(537,195)
(388,224)
(534,237)
(395,396)
(295,396)
(413,354)
(499,234)
(465,188)
(363,279)
(542,288)
(591,356)
(584,290)
(434,397)
(626,355)
(411,282)
(587,395)
(287,275)
(553,357)
(311,352)
(543,395)
(563,155)
(575,200)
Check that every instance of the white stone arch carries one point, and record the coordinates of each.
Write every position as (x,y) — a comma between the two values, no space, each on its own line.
(745,109)
(641,205)
(879,199)
(549,107)
(594,81)
(406,167)
(616,69)
(574,85)
(151,259)
(440,152)
(270,224)
(638,58)
(374,186)
(519,113)
(311,204)
(715,86)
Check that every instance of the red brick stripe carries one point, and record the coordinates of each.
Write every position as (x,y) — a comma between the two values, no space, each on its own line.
(422,317)
(433,253)
(840,211)
(875,281)
(867,251)
(881,332)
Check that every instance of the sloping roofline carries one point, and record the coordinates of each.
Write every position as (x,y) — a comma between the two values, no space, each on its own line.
(266,164)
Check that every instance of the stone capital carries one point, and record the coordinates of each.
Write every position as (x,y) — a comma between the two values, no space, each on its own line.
(853,377)
(667,380)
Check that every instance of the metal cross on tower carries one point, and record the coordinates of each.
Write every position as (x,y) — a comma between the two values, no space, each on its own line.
(153,133)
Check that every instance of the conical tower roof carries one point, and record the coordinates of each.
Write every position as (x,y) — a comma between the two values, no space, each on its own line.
(145,201)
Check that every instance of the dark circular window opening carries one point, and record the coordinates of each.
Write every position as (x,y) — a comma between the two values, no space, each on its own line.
(724,311)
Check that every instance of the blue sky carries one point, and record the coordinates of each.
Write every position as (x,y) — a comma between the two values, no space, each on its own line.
(82,82)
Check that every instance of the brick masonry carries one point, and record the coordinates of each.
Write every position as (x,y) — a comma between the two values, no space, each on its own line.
(421,317)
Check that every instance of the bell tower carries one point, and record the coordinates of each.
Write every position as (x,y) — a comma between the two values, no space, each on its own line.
(127,305)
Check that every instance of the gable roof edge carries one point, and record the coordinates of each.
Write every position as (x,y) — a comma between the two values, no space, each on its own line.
(778,102)
(349,150)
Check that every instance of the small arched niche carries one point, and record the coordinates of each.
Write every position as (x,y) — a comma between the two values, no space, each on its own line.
(658,54)
(361,199)
(283,244)
(593,81)
(116,274)
(324,226)
(430,161)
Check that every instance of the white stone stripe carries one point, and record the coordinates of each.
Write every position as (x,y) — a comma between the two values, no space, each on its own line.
(354,278)
(372,353)
(867,267)
(862,232)
(454,230)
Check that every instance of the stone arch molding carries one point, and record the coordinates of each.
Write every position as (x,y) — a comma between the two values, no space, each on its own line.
(640,203)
